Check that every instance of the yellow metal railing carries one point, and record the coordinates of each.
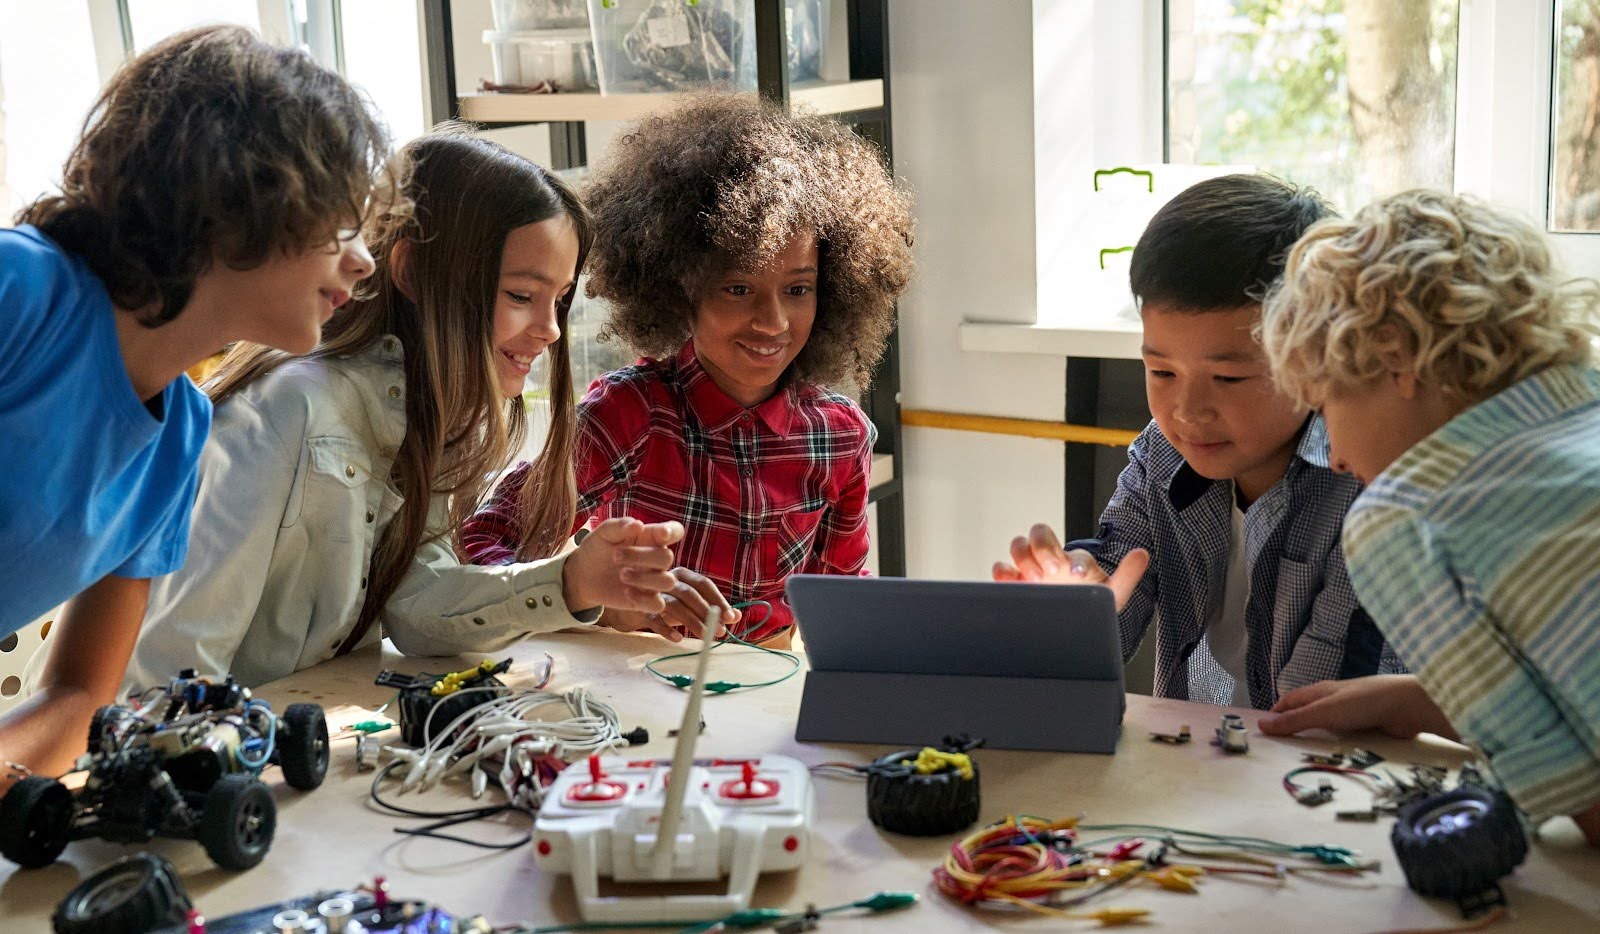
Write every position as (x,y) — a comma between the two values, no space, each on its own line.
(1020,427)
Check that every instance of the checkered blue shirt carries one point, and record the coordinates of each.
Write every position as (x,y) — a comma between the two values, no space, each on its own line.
(1475,551)
(1303,621)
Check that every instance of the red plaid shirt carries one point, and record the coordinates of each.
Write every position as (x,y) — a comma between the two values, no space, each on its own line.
(762,493)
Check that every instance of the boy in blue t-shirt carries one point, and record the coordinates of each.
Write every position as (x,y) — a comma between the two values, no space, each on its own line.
(214,197)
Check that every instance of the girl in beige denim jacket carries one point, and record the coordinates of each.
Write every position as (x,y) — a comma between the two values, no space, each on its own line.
(332,485)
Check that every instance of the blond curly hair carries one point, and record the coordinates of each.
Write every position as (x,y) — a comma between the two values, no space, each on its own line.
(1465,295)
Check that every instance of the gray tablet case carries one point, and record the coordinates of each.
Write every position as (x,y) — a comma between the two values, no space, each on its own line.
(898,661)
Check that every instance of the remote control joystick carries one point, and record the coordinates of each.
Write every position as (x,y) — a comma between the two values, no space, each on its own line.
(598,790)
(749,788)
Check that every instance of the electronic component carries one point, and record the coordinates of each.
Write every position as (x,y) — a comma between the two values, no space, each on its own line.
(1182,736)
(431,702)
(1231,735)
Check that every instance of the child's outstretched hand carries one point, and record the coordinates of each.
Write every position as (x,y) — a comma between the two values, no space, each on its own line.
(626,566)
(1040,559)
(1395,704)
(685,614)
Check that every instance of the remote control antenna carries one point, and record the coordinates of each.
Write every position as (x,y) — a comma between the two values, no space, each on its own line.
(683,755)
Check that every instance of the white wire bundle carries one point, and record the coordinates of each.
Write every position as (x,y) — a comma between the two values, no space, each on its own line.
(508,723)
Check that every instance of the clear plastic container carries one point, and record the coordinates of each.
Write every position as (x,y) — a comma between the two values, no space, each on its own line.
(674,45)
(808,38)
(523,15)
(562,57)
(671,45)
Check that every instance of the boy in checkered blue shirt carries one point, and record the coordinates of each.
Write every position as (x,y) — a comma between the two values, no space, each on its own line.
(1224,528)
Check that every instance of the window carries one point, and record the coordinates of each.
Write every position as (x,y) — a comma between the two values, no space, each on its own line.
(53,49)
(1354,97)
(150,21)
(380,51)
(1575,119)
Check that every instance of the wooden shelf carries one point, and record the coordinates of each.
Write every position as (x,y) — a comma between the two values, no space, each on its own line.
(882,470)
(826,97)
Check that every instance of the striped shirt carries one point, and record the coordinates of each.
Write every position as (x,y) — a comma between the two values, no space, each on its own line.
(1303,623)
(763,493)
(1475,553)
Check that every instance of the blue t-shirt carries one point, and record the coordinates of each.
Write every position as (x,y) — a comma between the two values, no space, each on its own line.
(95,484)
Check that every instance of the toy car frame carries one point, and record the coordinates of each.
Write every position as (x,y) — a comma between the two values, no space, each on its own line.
(186,763)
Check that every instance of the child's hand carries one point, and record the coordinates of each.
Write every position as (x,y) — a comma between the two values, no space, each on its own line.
(1395,704)
(1040,559)
(622,564)
(685,613)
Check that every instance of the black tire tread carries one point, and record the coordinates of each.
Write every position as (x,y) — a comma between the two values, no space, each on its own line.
(218,828)
(920,805)
(303,746)
(20,807)
(1468,860)
(158,900)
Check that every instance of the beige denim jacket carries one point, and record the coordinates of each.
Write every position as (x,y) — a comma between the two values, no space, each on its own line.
(294,492)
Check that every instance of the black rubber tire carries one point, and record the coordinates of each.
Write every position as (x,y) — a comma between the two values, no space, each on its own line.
(35,821)
(133,895)
(920,805)
(1459,843)
(302,746)
(97,727)
(238,821)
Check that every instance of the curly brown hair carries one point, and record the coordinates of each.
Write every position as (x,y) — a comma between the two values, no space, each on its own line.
(212,143)
(723,183)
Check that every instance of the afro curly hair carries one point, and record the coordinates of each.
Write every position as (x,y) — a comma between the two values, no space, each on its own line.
(723,182)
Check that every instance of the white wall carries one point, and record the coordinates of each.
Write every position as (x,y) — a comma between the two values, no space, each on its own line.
(962,95)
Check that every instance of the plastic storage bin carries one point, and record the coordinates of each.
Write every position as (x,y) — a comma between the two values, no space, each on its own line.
(562,57)
(523,15)
(675,45)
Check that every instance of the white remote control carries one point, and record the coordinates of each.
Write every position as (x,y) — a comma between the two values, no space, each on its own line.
(634,821)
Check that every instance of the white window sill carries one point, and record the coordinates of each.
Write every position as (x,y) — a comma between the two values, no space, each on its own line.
(1114,340)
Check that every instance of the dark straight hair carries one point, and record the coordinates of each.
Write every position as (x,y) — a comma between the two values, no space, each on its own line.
(1222,243)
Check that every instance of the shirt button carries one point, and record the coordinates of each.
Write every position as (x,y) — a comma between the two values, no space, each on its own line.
(747,471)
(547,601)
(369,515)
(532,603)
(349,470)
(394,392)
(479,621)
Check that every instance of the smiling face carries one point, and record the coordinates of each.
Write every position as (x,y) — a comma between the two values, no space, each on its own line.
(755,322)
(538,267)
(1211,394)
(285,301)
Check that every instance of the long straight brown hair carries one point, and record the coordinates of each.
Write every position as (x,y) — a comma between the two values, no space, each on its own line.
(465,195)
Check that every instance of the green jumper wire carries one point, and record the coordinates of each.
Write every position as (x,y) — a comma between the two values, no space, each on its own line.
(723,687)
(748,919)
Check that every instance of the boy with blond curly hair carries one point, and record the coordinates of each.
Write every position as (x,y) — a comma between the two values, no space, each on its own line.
(1452,363)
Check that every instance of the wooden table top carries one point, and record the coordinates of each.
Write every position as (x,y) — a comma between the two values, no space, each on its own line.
(332,838)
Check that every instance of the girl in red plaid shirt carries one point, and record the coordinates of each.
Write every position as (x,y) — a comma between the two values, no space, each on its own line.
(752,259)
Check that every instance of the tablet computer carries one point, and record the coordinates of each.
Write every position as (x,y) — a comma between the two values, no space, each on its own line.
(897,660)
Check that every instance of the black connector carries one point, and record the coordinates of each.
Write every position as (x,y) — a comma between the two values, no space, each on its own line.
(637,736)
